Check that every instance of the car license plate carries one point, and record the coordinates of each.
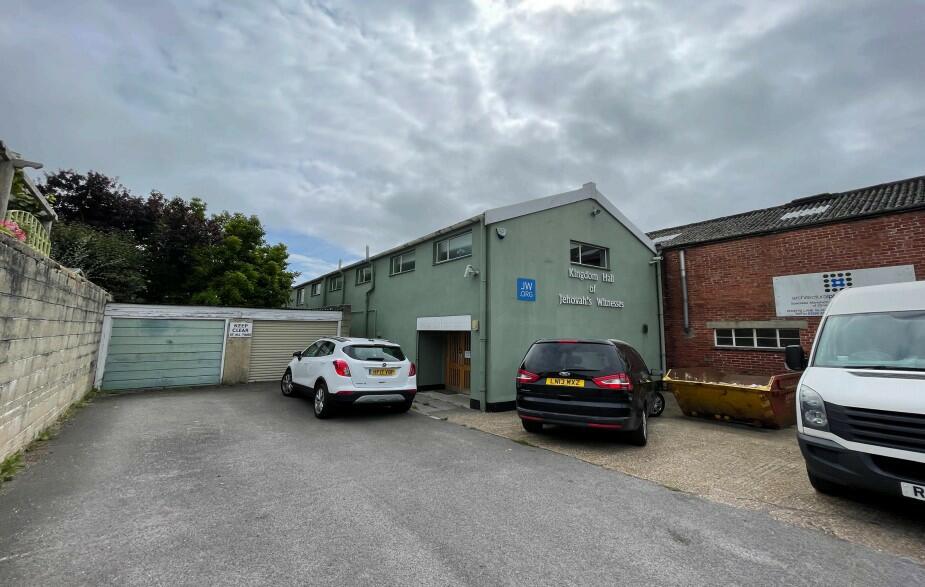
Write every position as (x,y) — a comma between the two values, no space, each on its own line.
(913,491)
(565,382)
(382,371)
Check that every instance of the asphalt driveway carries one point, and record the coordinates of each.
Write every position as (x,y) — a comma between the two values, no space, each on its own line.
(242,486)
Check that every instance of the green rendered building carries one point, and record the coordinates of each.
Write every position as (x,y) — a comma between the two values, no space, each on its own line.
(465,302)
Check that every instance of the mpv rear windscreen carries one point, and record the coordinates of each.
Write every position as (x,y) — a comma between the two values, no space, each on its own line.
(581,357)
(375,352)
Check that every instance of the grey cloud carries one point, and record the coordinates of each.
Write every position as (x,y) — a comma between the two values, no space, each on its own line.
(374,122)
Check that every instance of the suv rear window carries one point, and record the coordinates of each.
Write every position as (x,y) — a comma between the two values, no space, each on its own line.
(580,357)
(375,352)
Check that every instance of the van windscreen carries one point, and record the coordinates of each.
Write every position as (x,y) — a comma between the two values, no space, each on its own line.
(880,340)
(580,357)
(375,352)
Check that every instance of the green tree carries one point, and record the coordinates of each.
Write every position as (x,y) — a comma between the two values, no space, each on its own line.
(183,255)
(110,259)
(242,269)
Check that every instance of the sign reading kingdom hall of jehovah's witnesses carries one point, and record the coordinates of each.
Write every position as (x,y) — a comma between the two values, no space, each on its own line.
(584,300)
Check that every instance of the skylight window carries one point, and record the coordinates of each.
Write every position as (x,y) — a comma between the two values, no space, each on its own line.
(666,238)
(807,212)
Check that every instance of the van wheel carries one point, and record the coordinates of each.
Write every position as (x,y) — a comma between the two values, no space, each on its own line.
(324,407)
(286,385)
(640,436)
(532,426)
(824,486)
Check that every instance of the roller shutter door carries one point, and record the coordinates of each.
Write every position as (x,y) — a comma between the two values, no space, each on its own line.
(146,353)
(274,341)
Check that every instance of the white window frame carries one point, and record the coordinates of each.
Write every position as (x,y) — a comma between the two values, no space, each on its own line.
(316,289)
(754,339)
(572,243)
(400,257)
(366,270)
(334,280)
(448,240)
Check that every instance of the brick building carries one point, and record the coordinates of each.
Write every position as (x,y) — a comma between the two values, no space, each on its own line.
(738,289)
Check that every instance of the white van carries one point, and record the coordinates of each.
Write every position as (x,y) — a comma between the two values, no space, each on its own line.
(861,399)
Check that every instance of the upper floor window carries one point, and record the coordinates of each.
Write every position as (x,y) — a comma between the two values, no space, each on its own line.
(756,338)
(403,262)
(316,288)
(589,255)
(454,247)
(300,295)
(364,274)
(336,282)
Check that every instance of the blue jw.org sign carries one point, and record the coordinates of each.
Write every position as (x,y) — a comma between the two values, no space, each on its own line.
(526,289)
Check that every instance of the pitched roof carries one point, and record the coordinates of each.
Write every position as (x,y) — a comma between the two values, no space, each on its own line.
(905,194)
(587,191)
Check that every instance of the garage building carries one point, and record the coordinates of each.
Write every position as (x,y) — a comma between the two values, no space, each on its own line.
(466,301)
(738,289)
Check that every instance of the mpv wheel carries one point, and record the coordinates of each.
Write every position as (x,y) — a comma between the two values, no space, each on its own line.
(640,436)
(323,406)
(286,385)
(532,426)
(658,405)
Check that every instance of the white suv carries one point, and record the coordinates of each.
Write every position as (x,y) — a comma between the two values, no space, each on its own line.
(345,371)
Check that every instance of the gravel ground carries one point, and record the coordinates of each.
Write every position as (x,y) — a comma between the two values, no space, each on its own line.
(737,465)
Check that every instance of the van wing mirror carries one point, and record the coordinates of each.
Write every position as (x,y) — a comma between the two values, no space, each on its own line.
(795,357)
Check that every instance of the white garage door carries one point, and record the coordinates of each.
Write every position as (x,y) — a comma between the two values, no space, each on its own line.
(274,341)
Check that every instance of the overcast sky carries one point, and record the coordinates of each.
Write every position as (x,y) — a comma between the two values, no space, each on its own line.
(347,123)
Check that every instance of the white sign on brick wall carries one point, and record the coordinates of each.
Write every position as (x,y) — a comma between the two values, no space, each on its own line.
(809,294)
(239,330)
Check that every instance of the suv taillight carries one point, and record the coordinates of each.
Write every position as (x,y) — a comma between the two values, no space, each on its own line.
(620,381)
(524,376)
(412,371)
(341,367)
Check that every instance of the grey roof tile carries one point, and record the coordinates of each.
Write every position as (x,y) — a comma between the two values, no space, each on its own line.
(905,194)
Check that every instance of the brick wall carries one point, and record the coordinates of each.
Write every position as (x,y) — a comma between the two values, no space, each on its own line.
(50,325)
(731,280)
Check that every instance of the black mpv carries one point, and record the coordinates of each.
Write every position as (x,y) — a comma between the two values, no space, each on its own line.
(601,384)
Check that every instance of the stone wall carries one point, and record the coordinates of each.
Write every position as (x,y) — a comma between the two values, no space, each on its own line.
(50,325)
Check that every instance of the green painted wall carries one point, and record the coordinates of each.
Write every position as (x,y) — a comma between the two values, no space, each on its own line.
(537,247)
(432,289)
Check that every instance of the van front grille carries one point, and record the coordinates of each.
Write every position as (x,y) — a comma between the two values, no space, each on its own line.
(890,429)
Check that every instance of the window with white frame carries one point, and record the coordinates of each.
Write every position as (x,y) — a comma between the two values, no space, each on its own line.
(403,262)
(364,274)
(300,295)
(454,247)
(756,338)
(588,255)
(316,288)
(336,282)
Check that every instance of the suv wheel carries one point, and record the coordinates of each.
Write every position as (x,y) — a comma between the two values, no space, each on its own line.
(323,406)
(640,436)
(404,406)
(532,426)
(286,385)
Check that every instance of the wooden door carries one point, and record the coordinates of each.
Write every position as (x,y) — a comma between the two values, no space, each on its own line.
(457,361)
